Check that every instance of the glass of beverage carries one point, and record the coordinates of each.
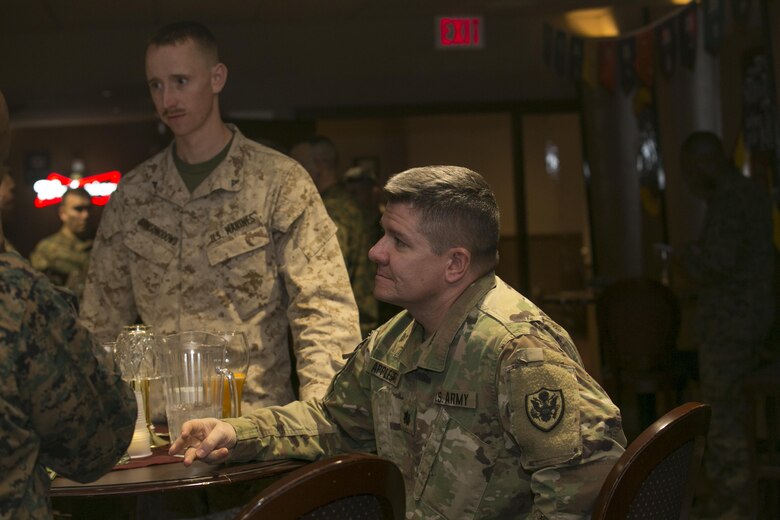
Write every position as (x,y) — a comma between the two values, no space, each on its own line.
(237,364)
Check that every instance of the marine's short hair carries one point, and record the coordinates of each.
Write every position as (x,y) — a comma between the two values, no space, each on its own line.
(179,32)
(456,207)
(76,192)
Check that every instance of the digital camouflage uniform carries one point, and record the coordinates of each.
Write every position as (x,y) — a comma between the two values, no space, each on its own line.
(251,249)
(733,263)
(491,417)
(354,239)
(64,259)
(63,404)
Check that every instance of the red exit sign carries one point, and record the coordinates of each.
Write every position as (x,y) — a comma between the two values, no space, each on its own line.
(459,32)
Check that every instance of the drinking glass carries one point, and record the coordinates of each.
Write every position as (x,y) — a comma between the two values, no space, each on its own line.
(236,365)
(139,356)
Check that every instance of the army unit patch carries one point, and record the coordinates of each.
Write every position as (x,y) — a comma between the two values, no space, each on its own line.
(544,408)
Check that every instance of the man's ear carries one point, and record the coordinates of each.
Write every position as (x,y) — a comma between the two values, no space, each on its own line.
(459,261)
(218,77)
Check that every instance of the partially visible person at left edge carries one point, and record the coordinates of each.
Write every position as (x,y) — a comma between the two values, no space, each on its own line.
(63,404)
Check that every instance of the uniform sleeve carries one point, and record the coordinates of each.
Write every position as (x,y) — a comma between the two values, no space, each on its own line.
(81,409)
(108,302)
(322,311)
(310,430)
(568,430)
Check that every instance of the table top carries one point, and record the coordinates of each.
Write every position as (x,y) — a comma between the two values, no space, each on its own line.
(173,476)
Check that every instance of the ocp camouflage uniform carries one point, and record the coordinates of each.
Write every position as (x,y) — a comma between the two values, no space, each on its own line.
(63,258)
(354,240)
(63,404)
(491,417)
(251,248)
(733,261)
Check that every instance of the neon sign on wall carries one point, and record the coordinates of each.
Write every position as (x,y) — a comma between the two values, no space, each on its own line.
(50,190)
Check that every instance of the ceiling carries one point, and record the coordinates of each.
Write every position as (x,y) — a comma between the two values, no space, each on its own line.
(60,57)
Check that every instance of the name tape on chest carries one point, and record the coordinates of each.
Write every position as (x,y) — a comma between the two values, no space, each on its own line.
(384,372)
(458,399)
(157,231)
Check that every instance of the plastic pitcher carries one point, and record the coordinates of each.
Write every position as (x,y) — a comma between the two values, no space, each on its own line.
(192,372)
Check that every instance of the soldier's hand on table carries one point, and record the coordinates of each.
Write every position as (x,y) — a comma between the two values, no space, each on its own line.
(209,440)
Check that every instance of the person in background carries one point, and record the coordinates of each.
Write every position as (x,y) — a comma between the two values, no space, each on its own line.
(320,158)
(63,403)
(478,397)
(218,232)
(731,265)
(64,256)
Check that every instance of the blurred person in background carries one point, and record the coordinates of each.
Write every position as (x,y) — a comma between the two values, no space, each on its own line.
(731,266)
(64,256)
(320,158)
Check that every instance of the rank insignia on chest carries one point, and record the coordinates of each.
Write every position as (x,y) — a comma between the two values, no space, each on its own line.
(384,372)
(408,419)
(544,408)
(459,399)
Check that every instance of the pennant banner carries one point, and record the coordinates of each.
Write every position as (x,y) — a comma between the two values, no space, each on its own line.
(713,24)
(627,56)
(688,35)
(643,60)
(666,40)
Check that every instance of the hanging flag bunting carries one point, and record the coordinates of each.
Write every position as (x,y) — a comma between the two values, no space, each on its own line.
(740,10)
(643,61)
(590,63)
(576,57)
(547,47)
(688,34)
(666,40)
(713,24)
(607,63)
(626,58)
(560,52)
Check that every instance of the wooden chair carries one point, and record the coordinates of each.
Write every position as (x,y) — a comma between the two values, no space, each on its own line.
(349,486)
(638,322)
(655,478)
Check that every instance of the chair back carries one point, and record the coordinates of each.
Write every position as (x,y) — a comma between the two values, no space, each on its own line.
(655,478)
(349,486)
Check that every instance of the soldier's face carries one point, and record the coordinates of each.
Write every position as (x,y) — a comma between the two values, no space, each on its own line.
(409,273)
(184,84)
(74,213)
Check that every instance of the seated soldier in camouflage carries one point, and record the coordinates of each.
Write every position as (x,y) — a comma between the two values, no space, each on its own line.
(63,404)
(477,396)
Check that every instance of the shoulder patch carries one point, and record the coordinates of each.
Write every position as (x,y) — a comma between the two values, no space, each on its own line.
(545,408)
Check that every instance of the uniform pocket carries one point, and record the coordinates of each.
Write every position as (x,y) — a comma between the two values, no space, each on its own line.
(455,468)
(152,257)
(246,270)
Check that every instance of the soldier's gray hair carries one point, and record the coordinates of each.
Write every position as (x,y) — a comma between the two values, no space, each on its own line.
(456,208)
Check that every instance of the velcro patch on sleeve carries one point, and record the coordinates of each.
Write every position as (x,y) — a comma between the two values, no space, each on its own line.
(545,415)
